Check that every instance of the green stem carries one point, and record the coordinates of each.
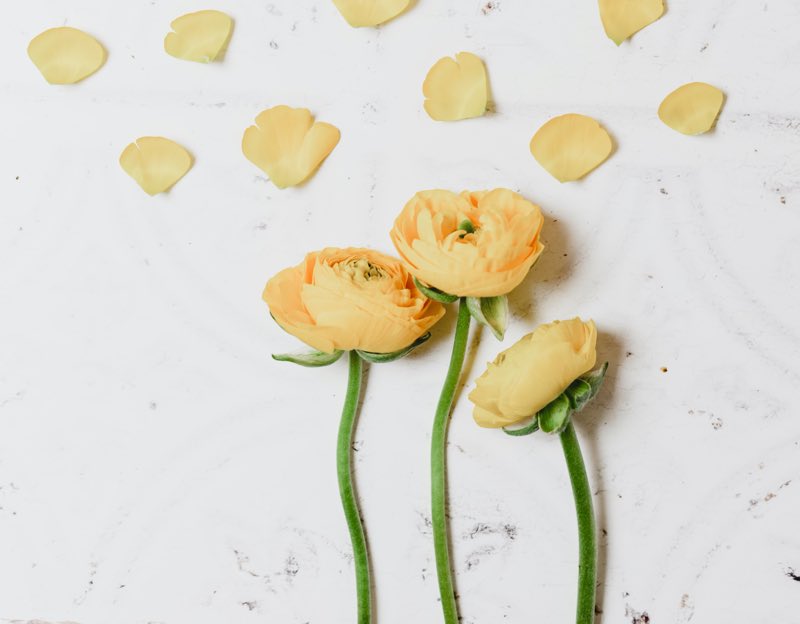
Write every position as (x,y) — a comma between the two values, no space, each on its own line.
(344,470)
(438,466)
(587,533)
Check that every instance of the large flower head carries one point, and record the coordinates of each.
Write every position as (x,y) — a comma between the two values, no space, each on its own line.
(343,299)
(472,244)
(524,378)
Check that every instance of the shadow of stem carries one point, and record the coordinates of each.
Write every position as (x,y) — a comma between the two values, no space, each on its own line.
(609,350)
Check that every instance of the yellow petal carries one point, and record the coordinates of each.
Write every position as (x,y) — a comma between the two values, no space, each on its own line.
(524,378)
(456,89)
(570,146)
(198,36)
(66,55)
(287,145)
(155,163)
(623,18)
(692,108)
(370,12)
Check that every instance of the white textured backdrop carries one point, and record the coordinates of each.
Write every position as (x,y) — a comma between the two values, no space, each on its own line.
(157,466)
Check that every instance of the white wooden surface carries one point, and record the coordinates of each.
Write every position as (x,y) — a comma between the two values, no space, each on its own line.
(157,466)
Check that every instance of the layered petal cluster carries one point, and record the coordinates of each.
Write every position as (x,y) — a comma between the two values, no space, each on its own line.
(344,299)
(472,244)
(533,372)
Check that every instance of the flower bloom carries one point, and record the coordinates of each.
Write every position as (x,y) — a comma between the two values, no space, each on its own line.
(533,372)
(344,299)
(432,235)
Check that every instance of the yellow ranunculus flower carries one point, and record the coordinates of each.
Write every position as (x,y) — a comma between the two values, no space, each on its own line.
(533,372)
(344,299)
(430,237)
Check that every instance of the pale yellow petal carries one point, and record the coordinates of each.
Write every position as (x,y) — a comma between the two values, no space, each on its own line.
(524,378)
(622,18)
(370,12)
(456,88)
(692,108)
(66,55)
(155,163)
(287,145)
(570,146)
(199,36)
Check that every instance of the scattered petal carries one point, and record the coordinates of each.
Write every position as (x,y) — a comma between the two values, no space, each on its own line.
(370,12)
(456,88)
(199,36)
(66,55)
(155,163)
(692,108)
(622,18)
(570,146)
(287,145)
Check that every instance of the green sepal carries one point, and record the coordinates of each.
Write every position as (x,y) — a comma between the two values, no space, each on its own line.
(311,359)
(579,393)
(533,427)
(595,379)
(490,311)
(553,418)
(382,358)
(434,293)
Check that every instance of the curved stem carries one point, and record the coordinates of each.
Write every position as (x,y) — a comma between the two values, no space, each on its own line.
(344,470)
(438,467)
(587,533)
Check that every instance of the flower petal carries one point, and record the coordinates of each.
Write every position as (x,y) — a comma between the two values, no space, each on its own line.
(155,163)
(456,88)
(287,145)
(199,36)
(570,146)
(66,55)
(370,12)
(692,108)
(622,18)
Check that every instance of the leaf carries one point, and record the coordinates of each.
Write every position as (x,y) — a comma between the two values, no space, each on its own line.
(526,430)
(555,415)
(382,358)
(434,293)
(490,311)
(311,359)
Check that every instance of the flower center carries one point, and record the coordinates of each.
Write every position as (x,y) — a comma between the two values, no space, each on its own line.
(361,270)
